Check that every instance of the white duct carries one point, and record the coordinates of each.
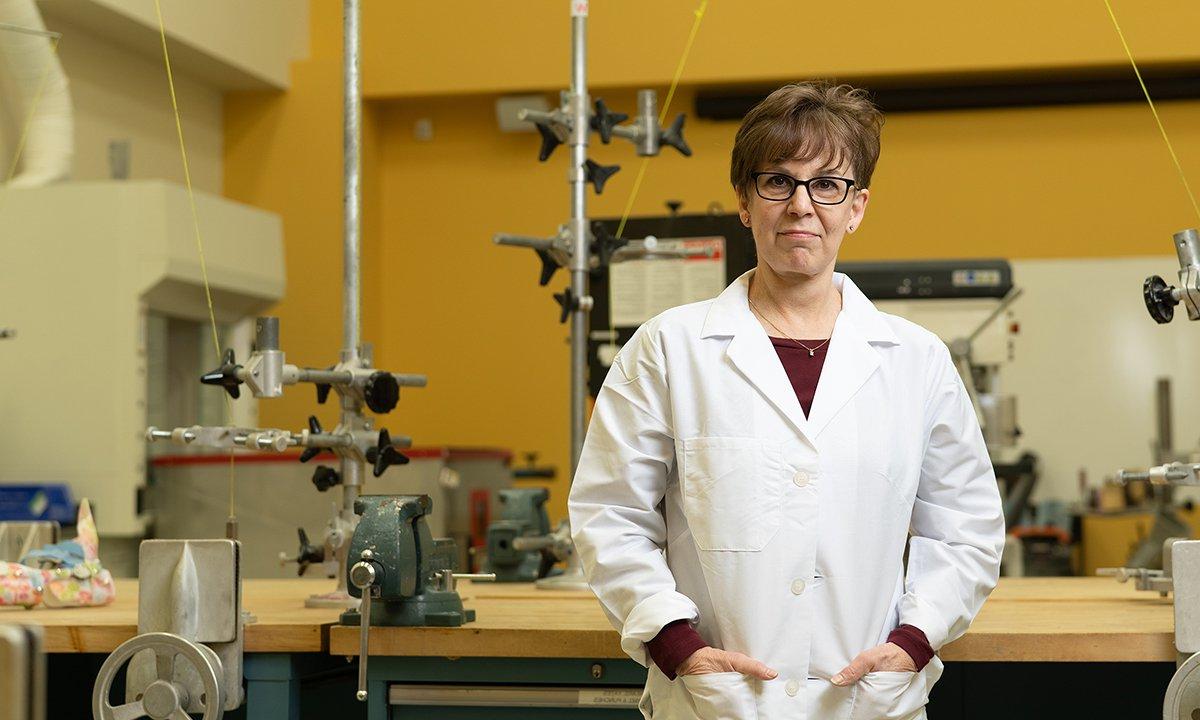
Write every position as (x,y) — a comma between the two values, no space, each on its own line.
(25,59)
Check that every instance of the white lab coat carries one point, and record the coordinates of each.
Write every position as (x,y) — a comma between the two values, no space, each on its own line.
(703,492)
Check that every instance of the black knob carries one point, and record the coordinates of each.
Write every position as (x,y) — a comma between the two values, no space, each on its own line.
(325,478)
(604,244)
(323,389)
(568,302)
(673,136)
(598,174)
(384,455)
(1160,300)
(549,266)
(225,376)
(549,141)
(382,392)
(605,120)
(308,554)
(314,427)
(673,206)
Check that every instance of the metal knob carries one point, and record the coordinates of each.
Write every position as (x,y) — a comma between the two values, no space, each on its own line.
(362,575)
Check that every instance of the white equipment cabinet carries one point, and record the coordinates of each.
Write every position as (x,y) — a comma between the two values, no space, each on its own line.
(85,269)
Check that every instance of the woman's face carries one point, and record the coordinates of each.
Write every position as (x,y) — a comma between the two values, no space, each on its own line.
(797,237)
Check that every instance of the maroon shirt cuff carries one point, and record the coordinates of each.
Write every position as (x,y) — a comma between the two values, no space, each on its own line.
(674,643)
(913,641)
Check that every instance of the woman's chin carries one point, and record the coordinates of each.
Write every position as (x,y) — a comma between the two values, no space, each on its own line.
(796,270)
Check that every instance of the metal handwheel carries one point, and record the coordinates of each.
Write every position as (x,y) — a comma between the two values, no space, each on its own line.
(1182,701)
(163,699)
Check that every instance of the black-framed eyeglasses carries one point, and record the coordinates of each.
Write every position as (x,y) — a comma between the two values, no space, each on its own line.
(823,190)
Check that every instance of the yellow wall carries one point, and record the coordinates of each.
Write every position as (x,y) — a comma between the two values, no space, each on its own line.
(413,48)
(442,300)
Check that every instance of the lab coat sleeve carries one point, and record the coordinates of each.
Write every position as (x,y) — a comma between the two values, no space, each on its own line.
(957,521)
(616,521)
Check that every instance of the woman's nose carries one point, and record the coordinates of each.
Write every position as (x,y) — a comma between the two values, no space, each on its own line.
(800,203)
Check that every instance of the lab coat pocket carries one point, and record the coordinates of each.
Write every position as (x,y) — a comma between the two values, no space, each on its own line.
(722,696)
(893,695)
(731,491)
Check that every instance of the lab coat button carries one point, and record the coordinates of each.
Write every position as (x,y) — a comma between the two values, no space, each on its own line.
(792,687)
(797,587)
(801,479)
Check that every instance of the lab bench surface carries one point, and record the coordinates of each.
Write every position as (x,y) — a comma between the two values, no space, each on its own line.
(1026,619)
(1093,632)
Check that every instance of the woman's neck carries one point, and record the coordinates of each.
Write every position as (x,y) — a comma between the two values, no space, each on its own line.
(802,308)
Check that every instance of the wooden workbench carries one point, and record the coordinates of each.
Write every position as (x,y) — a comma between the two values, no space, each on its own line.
(1025,620)
(282,624)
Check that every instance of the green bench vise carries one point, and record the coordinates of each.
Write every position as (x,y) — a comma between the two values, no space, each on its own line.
(403,575)
(520,546)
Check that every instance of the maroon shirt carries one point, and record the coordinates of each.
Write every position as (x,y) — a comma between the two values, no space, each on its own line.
(678,640)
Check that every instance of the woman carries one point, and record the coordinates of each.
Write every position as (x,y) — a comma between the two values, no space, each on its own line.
(755,463)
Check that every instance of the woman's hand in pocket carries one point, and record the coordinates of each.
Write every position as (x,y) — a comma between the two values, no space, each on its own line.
(885,657)
(713,660)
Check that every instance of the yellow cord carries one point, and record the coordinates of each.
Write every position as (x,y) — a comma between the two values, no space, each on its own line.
(662,115)
(1157,119)
(187,177)
(641,173)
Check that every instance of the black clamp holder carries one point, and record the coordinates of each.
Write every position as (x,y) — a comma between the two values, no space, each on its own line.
(1161,298)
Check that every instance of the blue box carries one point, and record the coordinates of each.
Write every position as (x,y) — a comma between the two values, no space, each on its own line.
(25,503)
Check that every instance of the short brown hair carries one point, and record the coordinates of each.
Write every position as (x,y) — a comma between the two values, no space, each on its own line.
(808,120)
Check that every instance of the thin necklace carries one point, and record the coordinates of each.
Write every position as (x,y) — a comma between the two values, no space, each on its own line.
(812,351)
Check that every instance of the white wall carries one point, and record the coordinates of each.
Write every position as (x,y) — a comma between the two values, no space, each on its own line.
(1086,362)
(120,95)
(233,44)
(112,58)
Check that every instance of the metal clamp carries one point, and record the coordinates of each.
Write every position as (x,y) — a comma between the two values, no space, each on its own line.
(1175,473)
(1143,578)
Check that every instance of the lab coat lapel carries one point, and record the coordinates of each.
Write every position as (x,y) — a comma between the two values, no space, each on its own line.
(756,359)
(750,350)
(849,364)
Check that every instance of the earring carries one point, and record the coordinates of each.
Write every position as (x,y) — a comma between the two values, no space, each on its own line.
(746,220)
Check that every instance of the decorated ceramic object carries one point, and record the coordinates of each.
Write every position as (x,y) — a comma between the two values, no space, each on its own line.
(66,574)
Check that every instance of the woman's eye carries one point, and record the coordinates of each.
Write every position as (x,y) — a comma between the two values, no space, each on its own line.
(822,184)
(778,181)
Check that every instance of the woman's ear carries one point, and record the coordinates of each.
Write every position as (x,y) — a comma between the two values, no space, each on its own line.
(858,209)
(743,208)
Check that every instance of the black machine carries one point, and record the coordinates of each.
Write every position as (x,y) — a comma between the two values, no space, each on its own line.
(891,280)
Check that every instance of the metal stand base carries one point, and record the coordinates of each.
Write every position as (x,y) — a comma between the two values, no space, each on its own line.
(571,579)
(336,599)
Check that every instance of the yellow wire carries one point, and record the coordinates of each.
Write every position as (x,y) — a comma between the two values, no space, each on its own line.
(662,115)
(641,173)
(1157,119)
(187,177)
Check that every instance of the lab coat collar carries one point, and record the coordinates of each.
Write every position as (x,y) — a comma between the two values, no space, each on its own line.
(730,312)
(850,362)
